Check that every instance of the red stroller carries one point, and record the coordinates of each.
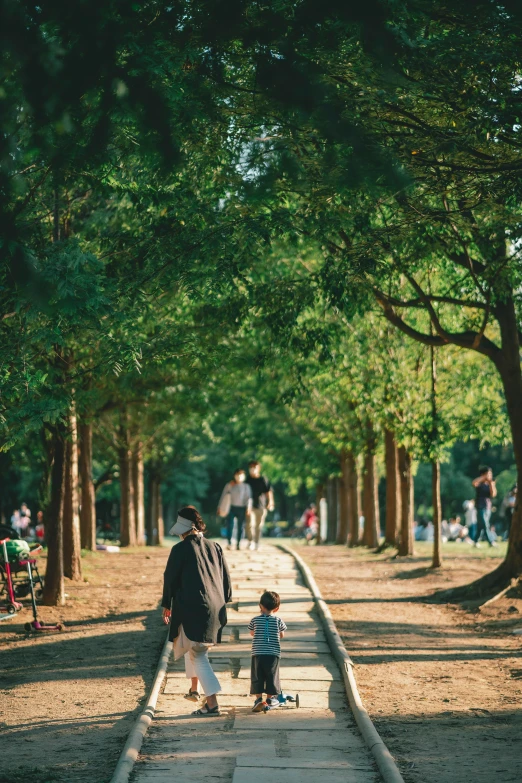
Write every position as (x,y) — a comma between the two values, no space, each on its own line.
(19,570)
(10,605)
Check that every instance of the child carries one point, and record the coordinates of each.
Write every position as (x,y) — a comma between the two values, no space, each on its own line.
(266,631)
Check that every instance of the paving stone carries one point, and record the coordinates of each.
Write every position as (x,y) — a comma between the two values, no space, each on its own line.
(302,673)
(289,653)
(305,623)
(286,775)
(288,720)
(159,772)
(287,646)
(194,750)
(310,763)
(311,700)
(177,683)
(300,606)
(292,635)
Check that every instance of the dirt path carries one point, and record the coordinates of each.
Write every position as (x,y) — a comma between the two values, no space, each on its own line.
(442,685)
(67,700)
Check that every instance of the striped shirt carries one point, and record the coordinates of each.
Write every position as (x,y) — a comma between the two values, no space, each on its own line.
(267,628)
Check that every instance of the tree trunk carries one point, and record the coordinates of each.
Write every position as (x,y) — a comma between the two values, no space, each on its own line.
(88,507)
(507,362)
(159,506)
(151,512)
(435,468)
(508,365)
(155,526)
(319,495)
(72,553)
(354,507)
(331,497)
(406,482)
(127,524)
(437,515)
(370,503)
(344,521)
(138,494)
(53,592)
(393,498)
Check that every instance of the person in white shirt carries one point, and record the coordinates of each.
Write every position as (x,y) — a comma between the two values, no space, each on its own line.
(235,503)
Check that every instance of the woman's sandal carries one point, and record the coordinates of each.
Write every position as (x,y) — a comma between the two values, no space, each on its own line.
(192,696)
(208,712)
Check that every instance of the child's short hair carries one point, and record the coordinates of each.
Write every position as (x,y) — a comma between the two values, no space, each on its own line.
(270,600)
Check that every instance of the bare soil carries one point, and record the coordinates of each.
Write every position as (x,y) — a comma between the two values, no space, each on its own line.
(442,684)
(68,700)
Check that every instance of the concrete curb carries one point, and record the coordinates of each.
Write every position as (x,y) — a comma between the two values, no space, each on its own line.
(132,747)
(385,761)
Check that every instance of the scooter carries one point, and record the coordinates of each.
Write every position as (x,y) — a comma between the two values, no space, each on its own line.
(284,699)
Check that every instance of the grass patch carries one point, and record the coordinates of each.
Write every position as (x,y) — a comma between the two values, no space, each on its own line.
(453,550)
(450,550)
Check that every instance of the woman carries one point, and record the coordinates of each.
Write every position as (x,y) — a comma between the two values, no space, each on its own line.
(195,594)
(235,503)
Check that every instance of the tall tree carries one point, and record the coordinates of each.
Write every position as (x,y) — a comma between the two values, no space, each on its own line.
(54,592)
(71,517)
(393,512)
(406,483)
(88,506)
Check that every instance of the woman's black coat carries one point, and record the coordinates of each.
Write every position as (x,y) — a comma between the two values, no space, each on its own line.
(197,589)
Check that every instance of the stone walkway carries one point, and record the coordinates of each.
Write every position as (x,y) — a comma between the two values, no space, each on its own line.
(287,745)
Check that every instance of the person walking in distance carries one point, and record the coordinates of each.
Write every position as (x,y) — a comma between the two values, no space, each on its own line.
(262,501)
(234,504)
(486,490)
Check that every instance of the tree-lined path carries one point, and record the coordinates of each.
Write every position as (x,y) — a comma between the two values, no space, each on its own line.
(279,232)
(320,738)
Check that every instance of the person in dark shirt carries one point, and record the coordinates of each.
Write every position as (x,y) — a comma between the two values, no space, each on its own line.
(262,500)
(486,490)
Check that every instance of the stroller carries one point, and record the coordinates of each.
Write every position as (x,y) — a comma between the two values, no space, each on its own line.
(9,605)
(19,553)
(20,575)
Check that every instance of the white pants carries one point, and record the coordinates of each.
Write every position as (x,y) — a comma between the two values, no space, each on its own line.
(198,665)
(255,522)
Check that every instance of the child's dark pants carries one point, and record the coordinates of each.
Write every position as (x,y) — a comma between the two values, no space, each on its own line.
(264,675)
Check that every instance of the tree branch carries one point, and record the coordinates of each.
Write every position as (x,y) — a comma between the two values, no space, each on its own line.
(434,298)
(462,339)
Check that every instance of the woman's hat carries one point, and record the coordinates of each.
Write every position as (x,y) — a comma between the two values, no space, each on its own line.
(181,526)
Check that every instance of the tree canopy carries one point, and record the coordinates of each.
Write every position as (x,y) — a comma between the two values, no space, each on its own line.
(294,224)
